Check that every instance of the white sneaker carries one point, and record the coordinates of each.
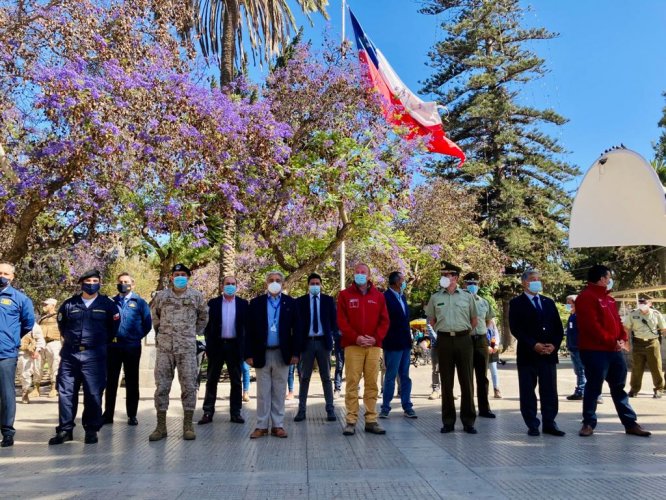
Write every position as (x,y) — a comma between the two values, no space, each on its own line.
(433,395)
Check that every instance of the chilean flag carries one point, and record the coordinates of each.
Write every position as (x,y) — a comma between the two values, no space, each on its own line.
(401,106)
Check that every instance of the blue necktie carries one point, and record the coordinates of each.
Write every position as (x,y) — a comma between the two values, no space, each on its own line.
(537,304)
(315,316)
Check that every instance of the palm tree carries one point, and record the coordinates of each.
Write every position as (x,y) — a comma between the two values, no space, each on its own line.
(220,25)
(659,166)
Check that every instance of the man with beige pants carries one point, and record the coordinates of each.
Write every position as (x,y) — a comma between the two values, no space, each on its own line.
(363,322)
(49,325)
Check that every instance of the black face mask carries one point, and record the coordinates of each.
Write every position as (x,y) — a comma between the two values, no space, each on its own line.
(90,288)
(123,288)
(4,281)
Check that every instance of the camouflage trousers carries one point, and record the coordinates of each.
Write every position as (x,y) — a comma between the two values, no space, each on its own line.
(165,365)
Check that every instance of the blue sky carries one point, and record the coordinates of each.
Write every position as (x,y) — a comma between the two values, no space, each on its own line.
(607,68)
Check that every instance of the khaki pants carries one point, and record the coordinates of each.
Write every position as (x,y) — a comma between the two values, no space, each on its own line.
(646,351)
(271,390)
(361,361)
(52,357)
(29,369)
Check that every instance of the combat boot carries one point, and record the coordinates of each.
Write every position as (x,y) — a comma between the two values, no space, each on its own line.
(188,428)
(35,391)
(53,393)
(26,396)
(160,431)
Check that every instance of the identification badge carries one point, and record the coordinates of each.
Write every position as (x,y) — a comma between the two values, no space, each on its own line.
(354,303)
(273,329)
(131,304)
(6,302)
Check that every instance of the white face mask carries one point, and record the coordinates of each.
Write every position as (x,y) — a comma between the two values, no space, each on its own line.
(275,288)
(644,307)
(444,282)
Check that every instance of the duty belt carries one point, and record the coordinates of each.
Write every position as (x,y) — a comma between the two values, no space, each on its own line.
(454,334)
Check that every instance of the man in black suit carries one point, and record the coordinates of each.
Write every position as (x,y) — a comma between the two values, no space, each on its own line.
(225,334)
(272,343)
(535,322)
(318,323)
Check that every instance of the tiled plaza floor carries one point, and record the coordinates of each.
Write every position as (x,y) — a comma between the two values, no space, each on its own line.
(413,460)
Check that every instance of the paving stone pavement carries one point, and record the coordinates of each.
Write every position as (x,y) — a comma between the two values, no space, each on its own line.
(413,460)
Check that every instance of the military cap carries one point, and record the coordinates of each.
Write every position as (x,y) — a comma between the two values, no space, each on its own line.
(90,273)
(448,267)
(643,299)
(471,277)
(50,302)
(181,267)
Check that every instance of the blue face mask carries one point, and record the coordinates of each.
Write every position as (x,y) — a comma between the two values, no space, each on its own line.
(609,286)
(567,307)
(360,279)
(90,288)
(403,287)
(315,289)
(535,287)
(180,281)
(230,289)
(4,281)
(473,289)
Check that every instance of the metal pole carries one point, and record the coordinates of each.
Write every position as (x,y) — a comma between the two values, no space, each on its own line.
(343,245)
(344,19)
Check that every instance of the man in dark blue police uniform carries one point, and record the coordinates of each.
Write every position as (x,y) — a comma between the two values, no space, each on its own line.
(125,349)
(88,322)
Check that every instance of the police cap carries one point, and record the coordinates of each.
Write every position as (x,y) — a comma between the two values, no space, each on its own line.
(448,267)
(182,268)
(90,273)
(471,278)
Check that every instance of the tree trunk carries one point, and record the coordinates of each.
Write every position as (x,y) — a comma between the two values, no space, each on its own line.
(507,338)
(19,242)
(662,266)
(166,263)
(227,258)
(229,25)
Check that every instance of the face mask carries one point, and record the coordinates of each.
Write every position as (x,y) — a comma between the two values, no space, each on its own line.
(90,288)
(315,289)
(274,288)
(473,289)
(644,307)
(180,281)
(360,279)
(123,287)
(4,281)
(444,282)
(535,287)
(230,289)
(609,286)
(567,307)
(403,287)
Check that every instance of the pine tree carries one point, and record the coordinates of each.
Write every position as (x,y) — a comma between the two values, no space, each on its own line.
(482,67)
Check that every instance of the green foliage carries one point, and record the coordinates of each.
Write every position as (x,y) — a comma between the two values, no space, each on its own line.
(145,276)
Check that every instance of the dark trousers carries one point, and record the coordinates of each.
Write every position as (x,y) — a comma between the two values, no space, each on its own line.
(339,363)
(7,395)
(76,368)
(316,349)
(455,353)
(480,361)
(128,358)
(227,353)
(611,367)
(545,374)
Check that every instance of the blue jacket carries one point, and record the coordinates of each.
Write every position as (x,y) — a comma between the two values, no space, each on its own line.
(17,317)
(572,333)
(93,326)
(399,336)
(135,320)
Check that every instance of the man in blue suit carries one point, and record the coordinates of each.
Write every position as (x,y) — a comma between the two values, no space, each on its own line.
(272,343)
(397,347)
(225,333)
(318,323)
(536,324)
(125,349)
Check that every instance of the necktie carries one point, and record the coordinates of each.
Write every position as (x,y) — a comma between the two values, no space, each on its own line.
(315,316)
(537,304)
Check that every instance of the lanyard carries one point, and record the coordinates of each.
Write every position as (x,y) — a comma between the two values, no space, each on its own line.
(276,309)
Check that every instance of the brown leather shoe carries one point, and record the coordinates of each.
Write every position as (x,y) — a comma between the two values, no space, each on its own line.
(637,430)
(257,433)
(207,418)
(586,430)
(278,432)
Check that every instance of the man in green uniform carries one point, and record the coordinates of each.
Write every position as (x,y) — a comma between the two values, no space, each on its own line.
(480,341)
(452,313)
(645,326)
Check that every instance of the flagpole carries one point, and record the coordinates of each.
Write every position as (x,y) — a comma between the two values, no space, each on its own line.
(343,245)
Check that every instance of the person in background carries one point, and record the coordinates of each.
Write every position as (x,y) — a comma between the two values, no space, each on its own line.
(246,382)
(29,364)
(49,326)
(493,358)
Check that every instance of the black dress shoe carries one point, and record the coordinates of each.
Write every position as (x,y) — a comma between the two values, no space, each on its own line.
(553,431)
(533,431)
(446,429)
(107,419)
(331,417)
(237,419)
(469,429)
(487,414)
(91,438)
(61,437)
(207,418)
(300,416)
(7,441)
(132,421)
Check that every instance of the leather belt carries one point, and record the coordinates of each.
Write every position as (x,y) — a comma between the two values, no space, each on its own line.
(454,334)
(317,338)
(272,348)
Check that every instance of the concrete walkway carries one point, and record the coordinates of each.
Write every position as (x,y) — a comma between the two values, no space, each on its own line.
(413,460)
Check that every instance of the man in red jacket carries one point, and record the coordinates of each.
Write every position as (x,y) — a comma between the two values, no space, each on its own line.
(601,340)
(363,322)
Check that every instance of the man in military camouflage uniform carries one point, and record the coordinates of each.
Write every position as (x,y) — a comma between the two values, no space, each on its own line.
(49,325)
(30,362)
(179,315)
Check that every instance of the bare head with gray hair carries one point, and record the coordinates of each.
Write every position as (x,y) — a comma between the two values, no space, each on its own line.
(528,273)
(7,271)
(274,276)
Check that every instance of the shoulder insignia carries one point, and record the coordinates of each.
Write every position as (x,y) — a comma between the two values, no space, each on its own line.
(132,304)
(6,302)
